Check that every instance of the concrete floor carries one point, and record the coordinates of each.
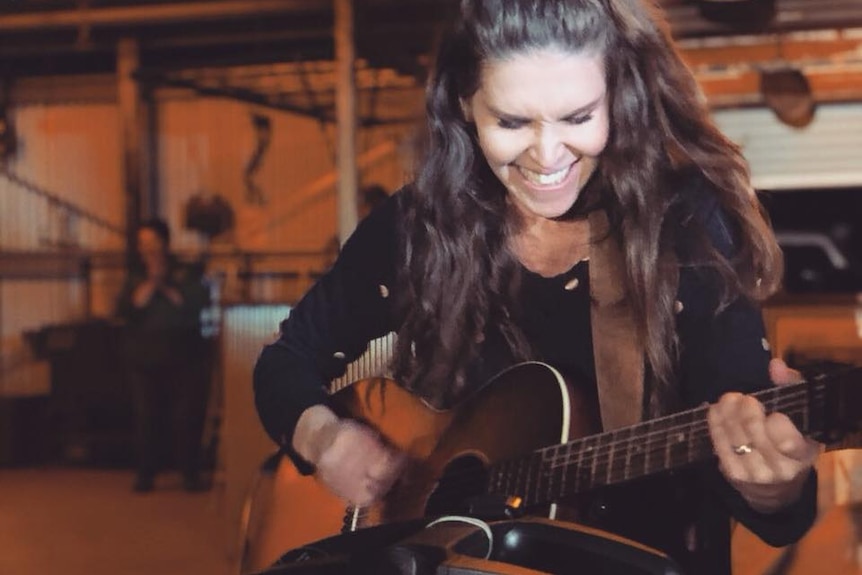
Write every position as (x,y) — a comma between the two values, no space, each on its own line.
(85,521)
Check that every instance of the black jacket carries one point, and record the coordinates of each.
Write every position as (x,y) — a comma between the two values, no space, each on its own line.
(686,515)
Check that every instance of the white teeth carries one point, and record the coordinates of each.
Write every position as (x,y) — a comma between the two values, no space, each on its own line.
(545,179)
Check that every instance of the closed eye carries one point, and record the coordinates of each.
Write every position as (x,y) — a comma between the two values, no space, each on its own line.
(578,119)
(511,123)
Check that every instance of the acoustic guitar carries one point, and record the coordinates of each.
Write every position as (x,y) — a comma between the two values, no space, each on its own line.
(521,438)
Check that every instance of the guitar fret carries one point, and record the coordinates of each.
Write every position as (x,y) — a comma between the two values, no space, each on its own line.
(516,489)
(579,466)
(497,479)
(538,469)
(511,477)
(505,477)
(618,465)
(647,439)
(665,443)
(552,472)
(633,458)
(678,442)
(609,463)
(527,483)
(591,451)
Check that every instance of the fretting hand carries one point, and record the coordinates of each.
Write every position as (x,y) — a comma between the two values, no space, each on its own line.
(763,456)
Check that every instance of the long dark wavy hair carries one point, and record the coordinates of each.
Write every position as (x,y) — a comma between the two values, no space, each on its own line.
(458,273)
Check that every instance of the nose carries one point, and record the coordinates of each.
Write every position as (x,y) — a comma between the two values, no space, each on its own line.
(547,145)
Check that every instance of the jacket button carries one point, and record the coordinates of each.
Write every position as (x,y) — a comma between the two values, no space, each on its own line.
(572,284)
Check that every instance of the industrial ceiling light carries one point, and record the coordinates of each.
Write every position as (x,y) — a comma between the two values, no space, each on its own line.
(742,14)
(788,94)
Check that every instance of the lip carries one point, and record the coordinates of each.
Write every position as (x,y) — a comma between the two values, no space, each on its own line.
(574,169)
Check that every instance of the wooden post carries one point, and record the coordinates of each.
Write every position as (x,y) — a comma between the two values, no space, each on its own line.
(345,113)
(148,132)
(128,97)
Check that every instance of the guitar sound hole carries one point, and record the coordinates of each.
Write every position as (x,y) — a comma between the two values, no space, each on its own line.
(463,479)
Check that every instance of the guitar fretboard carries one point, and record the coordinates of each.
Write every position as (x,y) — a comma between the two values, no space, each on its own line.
(657,445)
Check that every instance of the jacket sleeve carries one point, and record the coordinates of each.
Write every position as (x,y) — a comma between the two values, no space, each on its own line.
(329,328)
(728,351)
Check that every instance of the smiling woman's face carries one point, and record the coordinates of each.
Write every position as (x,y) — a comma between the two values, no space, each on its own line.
(542,122)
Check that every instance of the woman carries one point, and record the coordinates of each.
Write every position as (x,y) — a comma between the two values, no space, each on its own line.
(575,205)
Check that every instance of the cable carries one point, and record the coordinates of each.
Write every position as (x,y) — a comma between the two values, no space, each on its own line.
(471,521)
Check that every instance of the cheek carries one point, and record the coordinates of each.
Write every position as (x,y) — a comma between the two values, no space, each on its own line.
(500,148)
(600,140)
(590,142)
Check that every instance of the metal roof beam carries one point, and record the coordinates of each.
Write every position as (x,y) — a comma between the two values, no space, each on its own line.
(151,14)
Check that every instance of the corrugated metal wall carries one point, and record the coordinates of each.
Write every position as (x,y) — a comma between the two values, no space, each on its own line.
(826,153)
(70,153)
(67,154)
(205,146)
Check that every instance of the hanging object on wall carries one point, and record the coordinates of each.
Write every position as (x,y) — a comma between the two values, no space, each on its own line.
(788,94)
(263,134)
(208,214)
(741,14)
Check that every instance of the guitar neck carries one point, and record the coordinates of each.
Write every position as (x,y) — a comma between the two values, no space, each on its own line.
(667,443)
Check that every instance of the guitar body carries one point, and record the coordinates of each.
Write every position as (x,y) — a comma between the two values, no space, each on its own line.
(506,424)
(526,407)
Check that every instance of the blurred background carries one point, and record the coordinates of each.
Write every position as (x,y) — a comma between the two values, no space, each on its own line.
(262,131)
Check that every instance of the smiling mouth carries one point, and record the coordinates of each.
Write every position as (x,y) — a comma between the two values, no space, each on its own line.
(545,180)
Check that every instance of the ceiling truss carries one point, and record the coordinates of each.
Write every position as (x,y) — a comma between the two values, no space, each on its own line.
(279,53)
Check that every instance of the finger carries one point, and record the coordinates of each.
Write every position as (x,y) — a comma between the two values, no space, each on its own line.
(781,374)
(727,433)
(789,441)
(766,462)
(757,463)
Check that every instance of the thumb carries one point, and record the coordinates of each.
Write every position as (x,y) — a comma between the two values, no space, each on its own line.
(781,374)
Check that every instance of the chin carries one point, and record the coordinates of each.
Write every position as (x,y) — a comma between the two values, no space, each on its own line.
(550,212)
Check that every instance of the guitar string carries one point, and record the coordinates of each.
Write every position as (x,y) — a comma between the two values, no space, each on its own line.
(603,454)
(655,438)
(565,459)
(658,437)
(650,444)
(655,441)
(451,490)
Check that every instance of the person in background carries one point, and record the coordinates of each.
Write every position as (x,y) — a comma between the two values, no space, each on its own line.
(167,358)
(575,205)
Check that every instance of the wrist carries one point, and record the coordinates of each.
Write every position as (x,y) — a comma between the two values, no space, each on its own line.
(785,497)
(314,432)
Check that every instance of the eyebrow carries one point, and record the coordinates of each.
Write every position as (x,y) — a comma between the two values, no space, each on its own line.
(579,111)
